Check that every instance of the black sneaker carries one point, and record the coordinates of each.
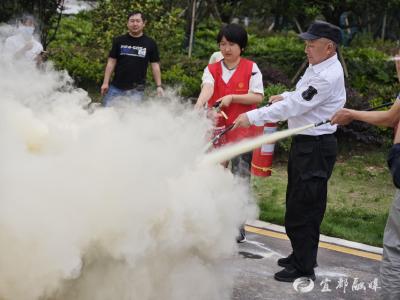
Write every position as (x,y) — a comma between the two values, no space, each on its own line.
(242,236)
(286,261)
(290,274)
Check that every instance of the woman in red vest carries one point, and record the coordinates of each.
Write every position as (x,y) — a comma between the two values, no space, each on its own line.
(237,84)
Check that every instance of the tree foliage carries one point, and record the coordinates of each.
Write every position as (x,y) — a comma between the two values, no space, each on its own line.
(367,16)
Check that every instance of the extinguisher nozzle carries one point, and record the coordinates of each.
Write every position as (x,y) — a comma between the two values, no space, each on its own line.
(322,123)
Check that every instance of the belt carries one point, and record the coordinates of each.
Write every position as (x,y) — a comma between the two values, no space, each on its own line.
(313,138)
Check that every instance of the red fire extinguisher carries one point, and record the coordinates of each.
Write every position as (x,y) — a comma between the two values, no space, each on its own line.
(217,134)
(262,157)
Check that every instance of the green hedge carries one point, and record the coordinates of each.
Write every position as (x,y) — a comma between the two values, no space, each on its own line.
(185,74)
(70,50)
(285,52)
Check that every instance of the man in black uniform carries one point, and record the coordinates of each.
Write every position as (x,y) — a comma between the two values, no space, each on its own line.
(129,57)
(318,95)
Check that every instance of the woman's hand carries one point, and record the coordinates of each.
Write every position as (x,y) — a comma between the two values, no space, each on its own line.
(225,101)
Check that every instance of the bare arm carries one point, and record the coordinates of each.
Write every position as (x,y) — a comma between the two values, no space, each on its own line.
(246,99)
(111,62)
(387,118)
(155,68)
(207,91)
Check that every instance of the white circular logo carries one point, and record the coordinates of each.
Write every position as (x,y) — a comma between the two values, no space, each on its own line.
(303,285)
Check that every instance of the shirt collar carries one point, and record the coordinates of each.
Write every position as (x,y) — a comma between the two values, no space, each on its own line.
(324,64)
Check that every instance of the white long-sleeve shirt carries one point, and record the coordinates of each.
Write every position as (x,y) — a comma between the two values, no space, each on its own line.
(16,42)
(318,95)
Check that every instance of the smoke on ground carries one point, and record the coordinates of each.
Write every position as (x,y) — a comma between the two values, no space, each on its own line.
(110,204)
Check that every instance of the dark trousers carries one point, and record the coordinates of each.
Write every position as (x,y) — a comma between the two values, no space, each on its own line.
(310,165)
(241,165)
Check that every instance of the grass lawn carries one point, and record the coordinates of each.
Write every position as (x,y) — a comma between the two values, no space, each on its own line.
(360,193)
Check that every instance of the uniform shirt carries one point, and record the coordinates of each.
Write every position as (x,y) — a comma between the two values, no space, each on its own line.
(133,55)
(15,43)
(318,95)
(255,84)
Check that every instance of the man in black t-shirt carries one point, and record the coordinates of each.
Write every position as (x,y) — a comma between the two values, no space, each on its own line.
(129,57)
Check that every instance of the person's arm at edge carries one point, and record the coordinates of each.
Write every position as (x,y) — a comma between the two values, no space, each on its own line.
(387,118)
(206,92)
(111,62)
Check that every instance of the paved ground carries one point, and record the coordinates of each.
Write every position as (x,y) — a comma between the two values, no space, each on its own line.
(339,275)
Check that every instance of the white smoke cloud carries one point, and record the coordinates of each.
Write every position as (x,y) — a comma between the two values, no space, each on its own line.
(110,204)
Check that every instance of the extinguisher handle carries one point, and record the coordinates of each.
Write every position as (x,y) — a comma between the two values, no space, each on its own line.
(322,123)
(217,104)
(380,106)
(218,136)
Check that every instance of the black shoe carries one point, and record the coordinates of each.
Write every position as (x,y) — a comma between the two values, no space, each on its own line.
(242,236)
(290,274)
(286,261)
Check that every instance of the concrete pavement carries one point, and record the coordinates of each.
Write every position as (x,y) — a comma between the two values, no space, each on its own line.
(346,270)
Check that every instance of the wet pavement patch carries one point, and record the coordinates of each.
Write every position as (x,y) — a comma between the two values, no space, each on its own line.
(250,255)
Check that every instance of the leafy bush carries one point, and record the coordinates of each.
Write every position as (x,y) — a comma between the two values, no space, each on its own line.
(271,90)
(367,66)
(185,74)
(70,49)
(366,40)
(285,52)
(205,39)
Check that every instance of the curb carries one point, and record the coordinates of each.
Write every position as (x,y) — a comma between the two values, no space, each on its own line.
(323,238)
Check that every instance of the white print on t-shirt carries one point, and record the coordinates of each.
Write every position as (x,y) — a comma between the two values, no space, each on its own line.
(133,51)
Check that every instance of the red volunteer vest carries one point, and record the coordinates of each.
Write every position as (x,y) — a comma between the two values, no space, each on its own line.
(237,84)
